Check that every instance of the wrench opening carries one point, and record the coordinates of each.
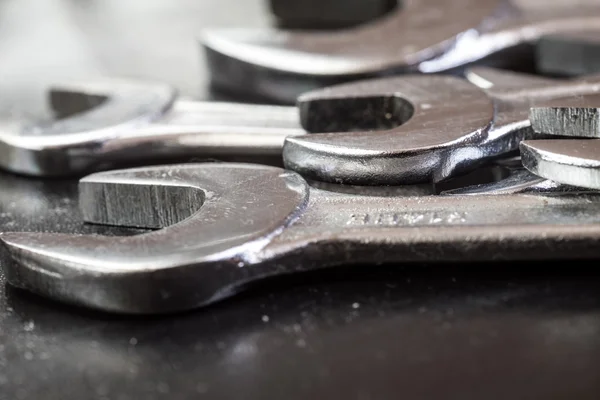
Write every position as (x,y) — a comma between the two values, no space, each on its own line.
(359,113)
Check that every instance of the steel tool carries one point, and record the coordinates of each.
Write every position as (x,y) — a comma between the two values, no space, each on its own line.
(421,36)
(574,158)
(409,129)
(573,162)
(234,224)
(448,125)
(108,122)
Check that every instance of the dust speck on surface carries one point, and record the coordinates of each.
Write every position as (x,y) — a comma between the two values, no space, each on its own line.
(29,326)
(355,305)
(265,318)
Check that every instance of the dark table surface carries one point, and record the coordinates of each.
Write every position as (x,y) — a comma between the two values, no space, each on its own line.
(482,331)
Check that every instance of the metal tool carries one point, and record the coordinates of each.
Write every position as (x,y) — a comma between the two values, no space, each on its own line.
(570,161)
(110,122)
(570,117)
(238,223)
(409,129)
(572,54)
(421,36)
(573,162)
(448,126)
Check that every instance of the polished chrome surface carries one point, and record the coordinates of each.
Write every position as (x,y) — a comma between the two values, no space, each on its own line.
(574,157)
(236,208)
(573,161)
(424,35)
(109,122)
(251,222)
(419,128)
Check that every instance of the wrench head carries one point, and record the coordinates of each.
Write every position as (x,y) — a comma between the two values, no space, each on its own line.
(280,65)
(91,112)
(222,214)
(578,116)
(573,162)
(411,129)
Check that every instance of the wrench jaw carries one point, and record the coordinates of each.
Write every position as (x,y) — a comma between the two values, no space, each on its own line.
(92,114)
(194,262)
(410,132)
(571,162)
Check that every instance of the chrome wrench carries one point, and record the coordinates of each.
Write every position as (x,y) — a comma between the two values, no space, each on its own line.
(233,224)
(574,156)
(426,36)
(409,129)
(452,127)
(110,121)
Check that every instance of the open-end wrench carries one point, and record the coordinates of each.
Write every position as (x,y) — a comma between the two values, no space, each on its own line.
(574,157)
(239,223)
(423,35)
(452,126)
(109,121)
(409,129)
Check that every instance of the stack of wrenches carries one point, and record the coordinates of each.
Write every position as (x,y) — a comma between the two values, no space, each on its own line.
(365,163)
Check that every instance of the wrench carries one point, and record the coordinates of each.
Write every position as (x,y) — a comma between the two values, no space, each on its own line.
(422,36)
(451,128)
(234,224)
(109,121)
(570,161)
(418,136)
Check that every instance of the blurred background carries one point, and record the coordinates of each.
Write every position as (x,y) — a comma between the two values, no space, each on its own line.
(49,40)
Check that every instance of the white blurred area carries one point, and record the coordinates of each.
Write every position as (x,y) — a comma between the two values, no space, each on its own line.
(42,41)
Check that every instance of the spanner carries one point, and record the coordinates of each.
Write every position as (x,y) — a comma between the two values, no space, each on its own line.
(234,224)
(422,36)
(409,129)
(107,122)
(449,125)
(574,157)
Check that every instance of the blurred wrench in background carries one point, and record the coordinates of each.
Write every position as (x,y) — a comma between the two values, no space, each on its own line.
(109,122)
(420,36)
(228,225)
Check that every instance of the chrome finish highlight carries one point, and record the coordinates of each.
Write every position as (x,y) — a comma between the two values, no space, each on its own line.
(251,222)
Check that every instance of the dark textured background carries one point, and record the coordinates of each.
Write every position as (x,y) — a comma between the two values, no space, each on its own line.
(480,331)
